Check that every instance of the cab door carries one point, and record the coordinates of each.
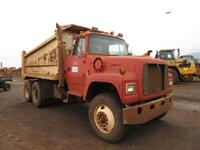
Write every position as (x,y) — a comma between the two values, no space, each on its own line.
(75,68)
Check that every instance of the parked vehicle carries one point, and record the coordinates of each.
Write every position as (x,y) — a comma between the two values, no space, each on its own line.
(181,69)
(96,67)
(3,81)
(192,60)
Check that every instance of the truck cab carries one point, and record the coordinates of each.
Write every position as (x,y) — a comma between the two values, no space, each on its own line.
(100,59)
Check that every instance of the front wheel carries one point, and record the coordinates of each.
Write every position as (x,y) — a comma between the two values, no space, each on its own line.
(105,115)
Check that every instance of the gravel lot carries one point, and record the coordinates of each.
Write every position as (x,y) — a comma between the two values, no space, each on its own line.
(66,126)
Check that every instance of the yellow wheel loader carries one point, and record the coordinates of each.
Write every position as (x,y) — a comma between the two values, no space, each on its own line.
(181,69)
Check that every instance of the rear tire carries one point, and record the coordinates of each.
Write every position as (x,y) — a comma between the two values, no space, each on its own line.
(105,116)
(37,95)
(6,86)
(27,91)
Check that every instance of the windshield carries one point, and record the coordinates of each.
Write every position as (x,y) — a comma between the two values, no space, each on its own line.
(106,45)
(189,58)
(166,55)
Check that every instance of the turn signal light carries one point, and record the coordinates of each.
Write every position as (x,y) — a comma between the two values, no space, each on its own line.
(122,71)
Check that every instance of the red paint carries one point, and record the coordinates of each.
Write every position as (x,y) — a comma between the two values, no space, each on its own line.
(1,74)
(79,82)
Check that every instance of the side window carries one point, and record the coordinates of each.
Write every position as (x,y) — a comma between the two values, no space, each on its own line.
(79,47)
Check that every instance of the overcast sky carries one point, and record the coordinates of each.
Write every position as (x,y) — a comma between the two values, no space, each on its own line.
(144,23)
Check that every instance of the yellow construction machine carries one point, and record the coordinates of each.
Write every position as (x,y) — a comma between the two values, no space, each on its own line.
(180,68)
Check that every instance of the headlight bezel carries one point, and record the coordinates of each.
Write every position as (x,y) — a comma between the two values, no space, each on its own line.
(128,87)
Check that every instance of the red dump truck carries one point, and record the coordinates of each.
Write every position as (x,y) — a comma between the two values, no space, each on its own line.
(95,66)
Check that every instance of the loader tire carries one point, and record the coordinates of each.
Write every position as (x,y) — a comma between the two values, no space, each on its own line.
(105,116)
(175,75)
(37,94)
(27,91)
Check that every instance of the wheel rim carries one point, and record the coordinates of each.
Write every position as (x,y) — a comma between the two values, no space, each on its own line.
(104,118)
(26,92)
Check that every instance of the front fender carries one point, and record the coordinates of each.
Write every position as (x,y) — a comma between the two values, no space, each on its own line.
(114,79)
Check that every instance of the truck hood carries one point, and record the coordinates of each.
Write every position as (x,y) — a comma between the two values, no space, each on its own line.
(130,63)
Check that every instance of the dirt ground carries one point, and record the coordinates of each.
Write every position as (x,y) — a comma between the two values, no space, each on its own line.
(66,126)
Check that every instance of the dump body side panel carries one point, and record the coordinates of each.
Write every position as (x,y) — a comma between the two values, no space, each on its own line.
(42,62)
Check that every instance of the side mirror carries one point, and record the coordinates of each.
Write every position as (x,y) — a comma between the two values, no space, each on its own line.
(127,45)
(130,54)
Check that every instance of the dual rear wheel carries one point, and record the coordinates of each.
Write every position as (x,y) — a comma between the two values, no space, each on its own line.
(33,93)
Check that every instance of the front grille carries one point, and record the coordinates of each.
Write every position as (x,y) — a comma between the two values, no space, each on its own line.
(155,78)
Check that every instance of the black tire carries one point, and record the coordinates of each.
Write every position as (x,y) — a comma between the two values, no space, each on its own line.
(107,101)
(27,91)
(6,86)
(189,78)
(175,75)
(37,95)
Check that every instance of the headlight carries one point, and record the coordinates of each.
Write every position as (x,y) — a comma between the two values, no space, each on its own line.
(130,88)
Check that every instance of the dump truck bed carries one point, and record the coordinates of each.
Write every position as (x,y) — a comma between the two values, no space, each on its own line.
(43,61)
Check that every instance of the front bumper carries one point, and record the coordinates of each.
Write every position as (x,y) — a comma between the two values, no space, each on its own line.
(143,113)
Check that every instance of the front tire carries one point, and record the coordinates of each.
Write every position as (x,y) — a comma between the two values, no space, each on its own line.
(37,95)
(105,116)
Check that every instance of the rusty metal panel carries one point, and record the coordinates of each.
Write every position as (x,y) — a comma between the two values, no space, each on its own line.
(143,113)
(67,42)
(42,61)
(44,56)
